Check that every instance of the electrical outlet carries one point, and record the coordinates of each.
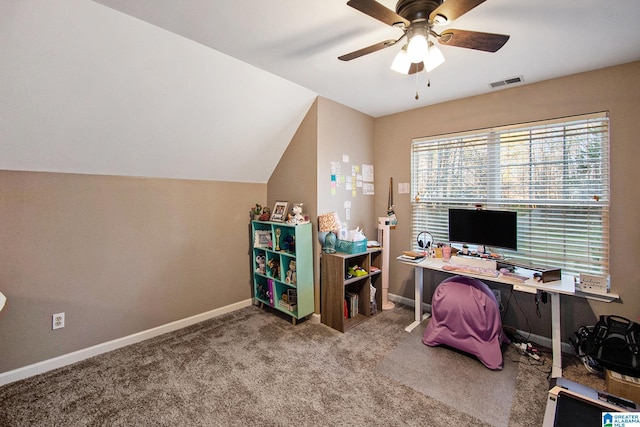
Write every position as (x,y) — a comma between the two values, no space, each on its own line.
(57,321)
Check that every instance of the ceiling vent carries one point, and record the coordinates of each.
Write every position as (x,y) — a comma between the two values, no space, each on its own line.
(505,82)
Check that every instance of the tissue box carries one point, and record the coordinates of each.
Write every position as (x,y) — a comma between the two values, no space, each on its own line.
(347,247)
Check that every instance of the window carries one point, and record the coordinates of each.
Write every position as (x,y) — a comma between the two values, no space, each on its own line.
(555,174)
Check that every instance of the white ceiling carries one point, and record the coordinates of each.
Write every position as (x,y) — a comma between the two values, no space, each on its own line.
(300,40)
(119,87)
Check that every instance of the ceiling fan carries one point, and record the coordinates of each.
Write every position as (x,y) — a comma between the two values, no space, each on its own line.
(417,19)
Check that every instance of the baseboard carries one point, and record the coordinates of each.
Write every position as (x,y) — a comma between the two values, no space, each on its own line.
(79,355)
(533,338)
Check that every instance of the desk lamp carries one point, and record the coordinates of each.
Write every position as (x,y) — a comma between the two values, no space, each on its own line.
(329,223)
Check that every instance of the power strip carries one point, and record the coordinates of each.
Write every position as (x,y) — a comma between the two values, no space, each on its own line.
(527,349)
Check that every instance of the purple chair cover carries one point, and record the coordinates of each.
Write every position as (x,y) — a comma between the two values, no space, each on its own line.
(465,315)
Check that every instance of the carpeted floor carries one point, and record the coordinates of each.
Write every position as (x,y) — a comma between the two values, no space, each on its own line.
(441,373)
(253,367)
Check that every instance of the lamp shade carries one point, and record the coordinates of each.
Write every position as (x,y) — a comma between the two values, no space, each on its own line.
(3,299)
(328,222)
(434,57)
(401,63)
(417,50)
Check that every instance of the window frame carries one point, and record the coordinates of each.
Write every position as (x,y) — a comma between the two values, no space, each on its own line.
(576,247)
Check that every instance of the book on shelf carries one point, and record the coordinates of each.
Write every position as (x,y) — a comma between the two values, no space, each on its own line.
(292,296)
(352,304)
(272,291)
(286,305)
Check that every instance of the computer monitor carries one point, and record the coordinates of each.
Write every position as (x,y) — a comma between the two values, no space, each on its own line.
(490,228)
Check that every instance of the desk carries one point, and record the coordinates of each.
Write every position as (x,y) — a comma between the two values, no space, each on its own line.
(565,286)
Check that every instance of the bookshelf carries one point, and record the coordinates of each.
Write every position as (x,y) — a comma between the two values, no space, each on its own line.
(283,267)
(346,302)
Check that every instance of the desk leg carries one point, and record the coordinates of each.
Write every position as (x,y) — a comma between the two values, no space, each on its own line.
(418,318)
(556,370)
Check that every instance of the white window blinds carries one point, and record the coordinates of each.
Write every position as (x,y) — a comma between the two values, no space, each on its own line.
(555,174)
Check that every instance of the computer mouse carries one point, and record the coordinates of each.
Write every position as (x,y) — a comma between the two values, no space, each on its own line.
(504,270)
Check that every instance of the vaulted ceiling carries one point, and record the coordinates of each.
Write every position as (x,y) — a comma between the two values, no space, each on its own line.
(214,90)
(301,40)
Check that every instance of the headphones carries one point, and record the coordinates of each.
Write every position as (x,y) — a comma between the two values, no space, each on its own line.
(425,240)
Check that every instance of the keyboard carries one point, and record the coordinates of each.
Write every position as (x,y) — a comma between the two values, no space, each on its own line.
(479,271)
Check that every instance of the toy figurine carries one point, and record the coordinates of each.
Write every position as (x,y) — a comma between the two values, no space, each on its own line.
(291,273)
(297,217)
(274,266)
(255,212)
(266,214)
(278,234)
(261,264)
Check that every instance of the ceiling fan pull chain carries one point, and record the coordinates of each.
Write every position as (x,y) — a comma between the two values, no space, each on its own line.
(417,96)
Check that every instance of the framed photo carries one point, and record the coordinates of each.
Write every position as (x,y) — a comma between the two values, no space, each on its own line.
(262,239)
(279,212)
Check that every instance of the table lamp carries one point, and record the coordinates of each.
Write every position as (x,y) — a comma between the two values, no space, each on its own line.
(328,223)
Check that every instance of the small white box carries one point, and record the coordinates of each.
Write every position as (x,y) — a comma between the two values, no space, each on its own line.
(591,283)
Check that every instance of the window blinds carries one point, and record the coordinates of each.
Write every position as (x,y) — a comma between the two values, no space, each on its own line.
(555,174)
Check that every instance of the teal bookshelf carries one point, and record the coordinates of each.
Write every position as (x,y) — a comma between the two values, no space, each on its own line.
(283,267)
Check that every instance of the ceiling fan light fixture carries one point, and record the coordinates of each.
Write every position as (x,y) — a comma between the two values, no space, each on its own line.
(434,58)
(440,20)
(401,63)
(417,50)
(418,43)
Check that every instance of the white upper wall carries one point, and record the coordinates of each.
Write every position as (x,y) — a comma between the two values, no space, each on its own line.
(86,89)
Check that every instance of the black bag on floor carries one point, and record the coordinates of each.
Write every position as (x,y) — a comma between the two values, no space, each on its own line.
(613,342)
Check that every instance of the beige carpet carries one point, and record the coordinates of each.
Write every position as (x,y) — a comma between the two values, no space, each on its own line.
(253,367)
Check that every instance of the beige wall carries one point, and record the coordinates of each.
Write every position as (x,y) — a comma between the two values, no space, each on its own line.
(118,255)
(294,179)
(328,131)
(613,89)
(342,130)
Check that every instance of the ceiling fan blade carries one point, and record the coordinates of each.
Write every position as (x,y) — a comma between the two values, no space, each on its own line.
(452,9)
(369,49)
(487,42)
(416,68)
(378,11)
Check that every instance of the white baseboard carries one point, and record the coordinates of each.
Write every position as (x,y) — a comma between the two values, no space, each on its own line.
(537,339)
(315,318)
(79,355)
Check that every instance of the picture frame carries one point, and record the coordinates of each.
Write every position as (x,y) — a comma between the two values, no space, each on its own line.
(280,211)
(262,239)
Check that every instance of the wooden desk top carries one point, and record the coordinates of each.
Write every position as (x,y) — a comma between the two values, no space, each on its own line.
(565,286)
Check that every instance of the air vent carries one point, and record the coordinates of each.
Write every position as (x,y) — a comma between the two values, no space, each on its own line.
(510,81)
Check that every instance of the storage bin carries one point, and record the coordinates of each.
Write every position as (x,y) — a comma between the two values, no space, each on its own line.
(622,385)
(347,247)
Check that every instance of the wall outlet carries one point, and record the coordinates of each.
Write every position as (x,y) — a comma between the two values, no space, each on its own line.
(57,321)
